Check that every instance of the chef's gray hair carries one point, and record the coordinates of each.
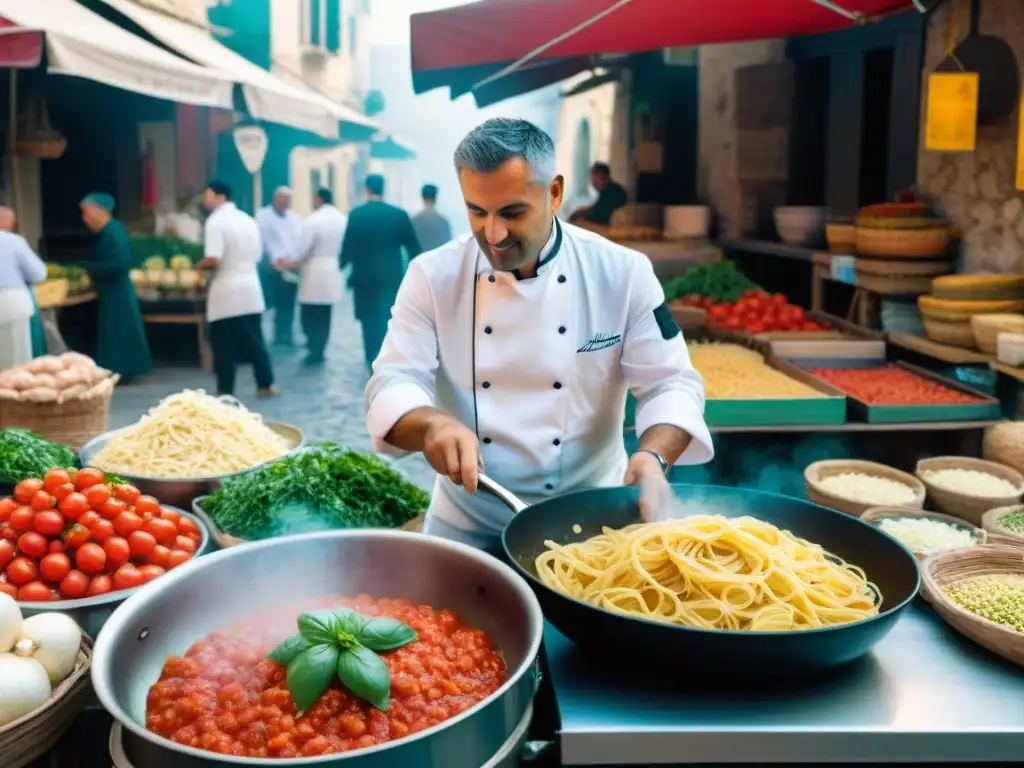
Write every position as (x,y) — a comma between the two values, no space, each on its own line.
(493,143)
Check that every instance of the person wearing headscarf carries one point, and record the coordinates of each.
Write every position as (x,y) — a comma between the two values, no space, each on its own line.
(121,344)
(19,269)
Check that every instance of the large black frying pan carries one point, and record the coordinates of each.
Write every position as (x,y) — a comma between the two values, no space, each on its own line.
(582,514)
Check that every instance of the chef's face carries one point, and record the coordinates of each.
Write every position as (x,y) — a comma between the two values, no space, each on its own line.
(511,212)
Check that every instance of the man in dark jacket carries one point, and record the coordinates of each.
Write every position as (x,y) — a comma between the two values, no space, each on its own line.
(376,235)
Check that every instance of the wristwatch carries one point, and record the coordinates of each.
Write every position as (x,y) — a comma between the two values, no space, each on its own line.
(659,457)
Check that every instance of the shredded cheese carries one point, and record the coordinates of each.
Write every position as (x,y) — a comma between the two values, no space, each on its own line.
(971,482)
(868,489)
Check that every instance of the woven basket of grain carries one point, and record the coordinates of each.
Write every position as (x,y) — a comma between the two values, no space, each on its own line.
(979,287)
(841,236)
(903,243)
(953,333)
(821,470)
(991,522)
(962,310)
(986,329)
(944,569)
(963,505)
(876,515)
(30,737)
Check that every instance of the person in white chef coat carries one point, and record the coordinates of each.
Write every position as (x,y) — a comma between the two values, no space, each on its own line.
(232,249)
(19,269)
(512,351)
(281,230)
(320,282)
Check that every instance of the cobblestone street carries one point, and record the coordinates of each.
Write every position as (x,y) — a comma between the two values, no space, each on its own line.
(326,403)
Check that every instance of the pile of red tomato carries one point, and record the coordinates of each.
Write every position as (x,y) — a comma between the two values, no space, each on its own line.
(756,312)
(73,535)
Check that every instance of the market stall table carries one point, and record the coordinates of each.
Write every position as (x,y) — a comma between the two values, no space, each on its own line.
(924,695)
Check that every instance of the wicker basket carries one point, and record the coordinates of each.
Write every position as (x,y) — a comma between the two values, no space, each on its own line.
(841,237)
(32,736)
(986,330)
(990,522)
(903,243)
(898,222)
(945,568)
(876,515)
(72,422)
(969,508)
(820,470)
(955,333)
(41,149)
(52,293)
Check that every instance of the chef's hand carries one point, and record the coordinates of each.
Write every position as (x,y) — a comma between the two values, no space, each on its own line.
(656,497)
(452,449)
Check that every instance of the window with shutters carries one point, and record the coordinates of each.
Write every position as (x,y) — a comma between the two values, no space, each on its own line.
(320,24)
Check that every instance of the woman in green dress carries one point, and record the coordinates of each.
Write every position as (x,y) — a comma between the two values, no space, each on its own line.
(121,344)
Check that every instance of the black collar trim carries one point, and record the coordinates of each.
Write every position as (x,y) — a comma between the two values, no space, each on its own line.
(554,251)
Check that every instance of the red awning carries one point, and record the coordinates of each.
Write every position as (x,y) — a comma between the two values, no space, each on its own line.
(492,32)
(19,48)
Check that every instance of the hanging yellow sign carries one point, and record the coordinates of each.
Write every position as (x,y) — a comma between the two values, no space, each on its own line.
(951,123)
(1020,148)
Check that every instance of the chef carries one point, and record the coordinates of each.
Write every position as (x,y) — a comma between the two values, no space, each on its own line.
(320,285)
(19,268)
(512,352)
(233,248)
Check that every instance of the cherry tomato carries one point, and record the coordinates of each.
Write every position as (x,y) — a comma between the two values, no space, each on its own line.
(56,547)
(160,555)
(178,557)
(102,530)
(8,533)
(61,492)
(26,489)
(6,553)
(185,544)
(55,477)
(21,571)
(90,558)
(142,543)
(9,589)
(118,551)
(42,500)
(22,519)
(33,544)
(73,506)
(111,508)
(166,513)
(150,572)
(129,494)
(35,592)
(127,522)
(128,577)
(76,536)
(87,478)
(187,527)
(163,531)
(97,495)
(49,522)
(100,585)
(147,504)
(74,585)
(55,567)
(6,507)
(89,519)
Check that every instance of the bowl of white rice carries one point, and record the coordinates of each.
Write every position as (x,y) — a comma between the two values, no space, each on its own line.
(923,532)
(967,487)
(853,486)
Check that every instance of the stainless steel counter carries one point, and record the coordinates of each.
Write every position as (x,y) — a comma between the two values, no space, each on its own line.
(924,695)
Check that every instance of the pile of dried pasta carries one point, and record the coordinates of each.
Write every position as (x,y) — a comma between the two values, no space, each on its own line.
(732,371)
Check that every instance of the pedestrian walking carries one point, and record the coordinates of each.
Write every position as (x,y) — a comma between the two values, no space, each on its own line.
(281,230)
(432,229)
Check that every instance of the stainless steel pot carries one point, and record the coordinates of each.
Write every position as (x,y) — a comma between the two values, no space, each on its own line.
(91,613)
(181,491)
(228,586)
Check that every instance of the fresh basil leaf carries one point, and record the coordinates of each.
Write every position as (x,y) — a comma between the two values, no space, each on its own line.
(385,634)
(310,674)
(366,676)
(286,652)
(319,627)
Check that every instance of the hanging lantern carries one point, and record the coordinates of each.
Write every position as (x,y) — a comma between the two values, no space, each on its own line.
(36,136)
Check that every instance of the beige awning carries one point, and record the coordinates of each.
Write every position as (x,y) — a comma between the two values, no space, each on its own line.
(83,44)
(268,97)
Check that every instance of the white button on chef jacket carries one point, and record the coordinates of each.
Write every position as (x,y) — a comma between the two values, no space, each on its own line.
(320,251)
(539,368)
(233,238)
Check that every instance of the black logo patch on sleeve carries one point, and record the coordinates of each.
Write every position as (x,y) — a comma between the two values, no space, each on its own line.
(666,322)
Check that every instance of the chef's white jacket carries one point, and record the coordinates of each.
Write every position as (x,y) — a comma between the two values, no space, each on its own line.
(320,253)
(233,238)
(539,368)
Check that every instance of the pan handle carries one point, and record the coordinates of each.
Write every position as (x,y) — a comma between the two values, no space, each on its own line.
(505,496)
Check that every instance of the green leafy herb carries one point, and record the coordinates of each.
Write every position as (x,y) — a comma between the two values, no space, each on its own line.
(723,281)
(341,644)
(24,454)
(323,487)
